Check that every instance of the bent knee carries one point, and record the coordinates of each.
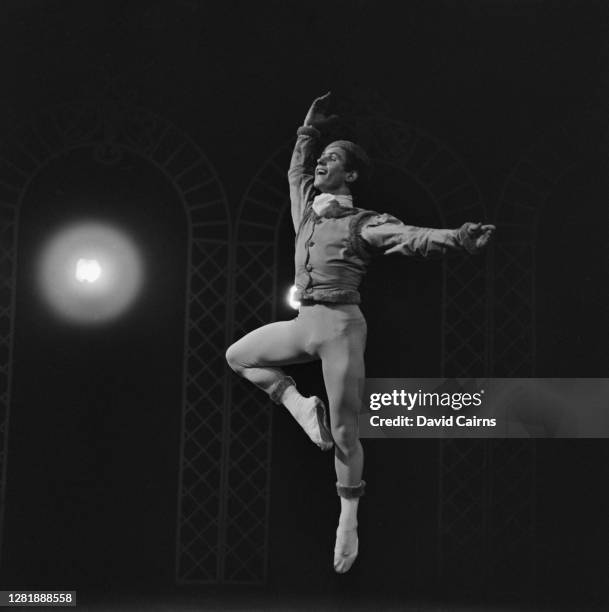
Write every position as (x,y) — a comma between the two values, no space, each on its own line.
(232,358)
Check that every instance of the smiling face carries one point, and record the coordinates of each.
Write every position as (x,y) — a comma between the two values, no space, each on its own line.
(330,173)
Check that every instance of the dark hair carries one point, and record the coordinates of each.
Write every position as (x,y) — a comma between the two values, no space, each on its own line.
(355,159)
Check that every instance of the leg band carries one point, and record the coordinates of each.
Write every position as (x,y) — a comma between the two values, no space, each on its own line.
(279,387)
(351,492)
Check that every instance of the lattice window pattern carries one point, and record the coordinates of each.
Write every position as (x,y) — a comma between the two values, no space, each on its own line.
(108,129)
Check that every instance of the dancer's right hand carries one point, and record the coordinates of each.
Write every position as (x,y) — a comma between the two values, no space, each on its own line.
(317,115)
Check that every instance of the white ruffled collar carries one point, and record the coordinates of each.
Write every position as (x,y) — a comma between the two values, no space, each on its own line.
(323,201)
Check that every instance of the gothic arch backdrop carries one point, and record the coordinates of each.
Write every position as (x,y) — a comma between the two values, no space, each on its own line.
(524,195)
(529,185)
(108,129)
(253,294)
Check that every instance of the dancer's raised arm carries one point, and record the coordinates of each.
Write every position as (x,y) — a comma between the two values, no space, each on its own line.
(302,166)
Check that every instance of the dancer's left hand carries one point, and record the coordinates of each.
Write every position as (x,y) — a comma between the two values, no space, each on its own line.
(475,236)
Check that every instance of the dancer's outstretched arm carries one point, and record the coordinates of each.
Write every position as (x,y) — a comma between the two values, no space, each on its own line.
(388,234)
(302,166)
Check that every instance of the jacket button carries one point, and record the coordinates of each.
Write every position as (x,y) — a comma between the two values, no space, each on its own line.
(310,243)
(309,267)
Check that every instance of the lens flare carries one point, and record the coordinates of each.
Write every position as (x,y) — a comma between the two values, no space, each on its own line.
(292,301)
(89,272)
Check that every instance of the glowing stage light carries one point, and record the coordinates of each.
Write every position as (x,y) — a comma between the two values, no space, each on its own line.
(292,301)
(89,272)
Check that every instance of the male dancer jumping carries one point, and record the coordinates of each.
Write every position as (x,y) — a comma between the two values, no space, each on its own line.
(334,243)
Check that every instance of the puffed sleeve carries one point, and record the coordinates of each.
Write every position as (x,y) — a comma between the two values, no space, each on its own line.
(386,234)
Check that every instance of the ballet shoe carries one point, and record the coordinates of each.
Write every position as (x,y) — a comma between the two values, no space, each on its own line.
(345,550)
(314,420)
(327,441)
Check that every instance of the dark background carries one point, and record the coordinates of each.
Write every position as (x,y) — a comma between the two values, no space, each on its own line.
(93,459)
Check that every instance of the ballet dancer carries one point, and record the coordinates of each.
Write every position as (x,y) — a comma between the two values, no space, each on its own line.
(335,241)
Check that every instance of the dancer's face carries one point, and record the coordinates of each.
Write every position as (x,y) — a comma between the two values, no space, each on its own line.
(330,173)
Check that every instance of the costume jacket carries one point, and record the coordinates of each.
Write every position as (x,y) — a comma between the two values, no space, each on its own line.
(335,240)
